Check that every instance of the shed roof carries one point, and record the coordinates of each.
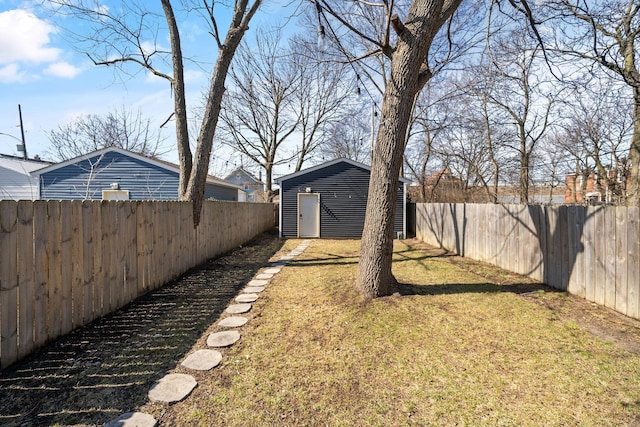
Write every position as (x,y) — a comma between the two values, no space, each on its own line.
(330,163)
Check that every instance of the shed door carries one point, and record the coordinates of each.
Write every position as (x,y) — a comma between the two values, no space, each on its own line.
(308,215)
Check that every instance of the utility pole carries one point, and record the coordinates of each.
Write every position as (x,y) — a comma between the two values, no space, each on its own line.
(22,148)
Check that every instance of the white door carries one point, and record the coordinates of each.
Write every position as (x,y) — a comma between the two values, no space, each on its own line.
(308,215)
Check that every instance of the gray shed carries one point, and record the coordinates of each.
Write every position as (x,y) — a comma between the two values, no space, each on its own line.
(329,200)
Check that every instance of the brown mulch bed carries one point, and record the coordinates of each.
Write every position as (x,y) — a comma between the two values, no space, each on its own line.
(106,368)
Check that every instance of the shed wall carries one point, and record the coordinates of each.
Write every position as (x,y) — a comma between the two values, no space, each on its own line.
(343,189)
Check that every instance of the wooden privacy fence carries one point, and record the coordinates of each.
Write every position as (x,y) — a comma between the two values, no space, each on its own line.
(592,252)
(66,263)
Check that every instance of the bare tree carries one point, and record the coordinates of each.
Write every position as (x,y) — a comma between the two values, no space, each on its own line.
(597,131)
(523,96)
(604,34)
(120,128)
(349,138)
(131,34)
(321,97)
(260,112)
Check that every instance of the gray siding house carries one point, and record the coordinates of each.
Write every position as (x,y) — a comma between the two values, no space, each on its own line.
(16,181)
(254,187)
(329,200)
(117,174)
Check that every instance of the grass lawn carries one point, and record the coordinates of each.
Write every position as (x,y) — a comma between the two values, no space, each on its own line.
(464,344)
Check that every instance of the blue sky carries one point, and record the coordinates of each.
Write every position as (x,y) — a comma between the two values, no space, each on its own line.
(54,83)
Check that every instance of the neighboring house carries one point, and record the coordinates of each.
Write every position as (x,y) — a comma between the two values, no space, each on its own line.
(330,199)
(254,187)
(594,190)
(16,181)
(117,174)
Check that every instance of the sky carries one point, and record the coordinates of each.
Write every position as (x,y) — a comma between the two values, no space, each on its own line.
(54,82)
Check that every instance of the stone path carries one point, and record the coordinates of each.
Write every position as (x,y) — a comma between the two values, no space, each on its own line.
(176,387)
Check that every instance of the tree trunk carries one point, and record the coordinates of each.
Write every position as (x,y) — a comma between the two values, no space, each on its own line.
(408,76)
(633,192)
(179,101)
(200,171)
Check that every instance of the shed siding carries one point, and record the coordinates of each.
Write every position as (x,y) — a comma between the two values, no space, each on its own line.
(343,189)
(86,179)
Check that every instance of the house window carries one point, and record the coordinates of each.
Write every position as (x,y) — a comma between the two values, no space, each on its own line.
(115,194)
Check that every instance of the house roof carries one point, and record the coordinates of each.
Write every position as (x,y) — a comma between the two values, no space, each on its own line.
(327,164)
(246,173)
(156,162)
(21,165)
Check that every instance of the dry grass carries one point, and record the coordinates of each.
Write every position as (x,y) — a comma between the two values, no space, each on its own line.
(465,344)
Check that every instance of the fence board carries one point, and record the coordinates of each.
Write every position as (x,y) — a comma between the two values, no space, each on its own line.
(143,235)
(610,257)
(8,283)
(621,259)
(633,262)
(41,272)
(131,270)
(87,263)
(98,261)
(599,261)
(590,254)
(26,290)
(66,277)
(77,283)
(54,291)
(577,286)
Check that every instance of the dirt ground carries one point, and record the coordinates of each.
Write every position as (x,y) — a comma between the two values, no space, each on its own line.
(107,368)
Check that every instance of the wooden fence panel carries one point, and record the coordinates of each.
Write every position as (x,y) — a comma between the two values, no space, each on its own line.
(593,252)
(8,282)
(63,264)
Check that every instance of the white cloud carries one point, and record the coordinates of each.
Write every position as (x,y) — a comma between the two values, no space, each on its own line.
(25,38)
(11,74)
(62,69)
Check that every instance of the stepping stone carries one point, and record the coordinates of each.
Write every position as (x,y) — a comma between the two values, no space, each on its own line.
(133,419)
(258,283)
(247,297)
(287,257)
(238,308)
(172,388)
(223,339)
(253,289)
(264,276)
(233,322)
(273,270)
(202,360)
